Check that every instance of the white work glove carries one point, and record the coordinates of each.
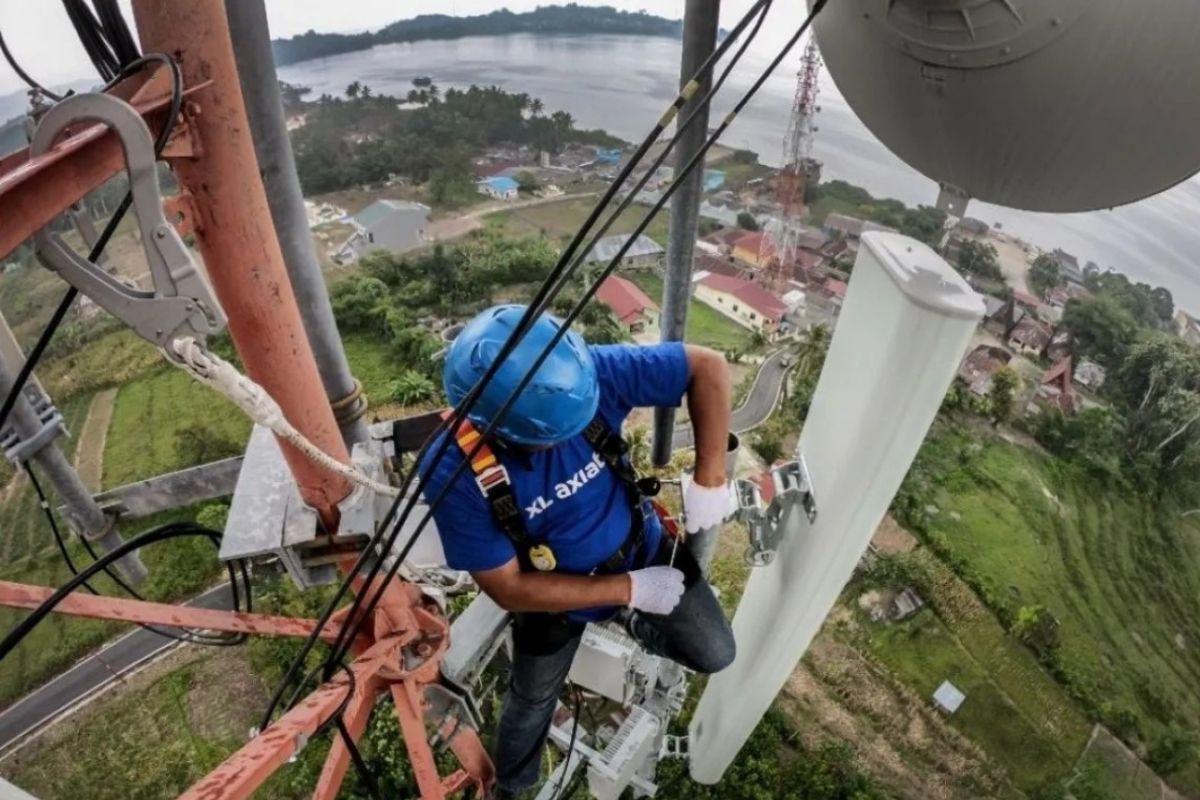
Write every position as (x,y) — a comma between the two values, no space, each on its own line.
(704,506)
(655,590)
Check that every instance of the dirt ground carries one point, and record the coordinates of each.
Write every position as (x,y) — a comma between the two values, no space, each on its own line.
(1015,257)
(89,453)
(837,693)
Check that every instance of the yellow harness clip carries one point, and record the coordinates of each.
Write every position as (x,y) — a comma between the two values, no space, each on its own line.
(542,558)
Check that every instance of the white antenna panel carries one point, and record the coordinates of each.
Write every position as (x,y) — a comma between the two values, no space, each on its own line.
(907,321)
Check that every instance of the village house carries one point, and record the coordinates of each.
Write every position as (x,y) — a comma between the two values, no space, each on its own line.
(1054,390)
(702,262)
(835,291)
(748,248)
(644,253)
(633,310)
(1068,265)
(1030,336)
(980,366)
(1090,375)
(397,225)
(725,238)
(1003,320)
(1059,346)
(498,187)
(746,303)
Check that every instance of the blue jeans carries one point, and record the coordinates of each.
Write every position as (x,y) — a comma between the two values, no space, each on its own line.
(696,635)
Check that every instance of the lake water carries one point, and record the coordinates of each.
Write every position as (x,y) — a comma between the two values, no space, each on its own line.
(623,84)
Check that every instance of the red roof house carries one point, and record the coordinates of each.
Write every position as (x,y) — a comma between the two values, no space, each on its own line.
(747,303)
(1055,388)
(629,304)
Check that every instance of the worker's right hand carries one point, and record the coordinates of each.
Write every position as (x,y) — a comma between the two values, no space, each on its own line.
(655,590)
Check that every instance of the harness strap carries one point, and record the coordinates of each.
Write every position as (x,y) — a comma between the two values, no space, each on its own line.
(492,479)
(494,483)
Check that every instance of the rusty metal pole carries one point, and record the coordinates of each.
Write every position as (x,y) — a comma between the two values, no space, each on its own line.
(237,238)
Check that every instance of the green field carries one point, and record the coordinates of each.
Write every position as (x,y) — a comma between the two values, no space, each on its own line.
(150,415)
(1123,582)
(559,221)
(23,530)
(705,326)
(1010,712)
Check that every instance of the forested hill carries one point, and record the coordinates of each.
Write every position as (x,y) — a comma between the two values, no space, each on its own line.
(571,18)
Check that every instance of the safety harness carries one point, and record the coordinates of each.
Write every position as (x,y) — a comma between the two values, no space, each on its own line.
(494,483)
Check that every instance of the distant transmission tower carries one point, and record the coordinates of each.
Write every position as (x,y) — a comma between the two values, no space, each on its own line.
(779,245)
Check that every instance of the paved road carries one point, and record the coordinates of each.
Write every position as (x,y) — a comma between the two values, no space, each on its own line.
(62,694)
(757,406)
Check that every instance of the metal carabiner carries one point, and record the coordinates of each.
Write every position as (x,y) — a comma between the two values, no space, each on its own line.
(182,302)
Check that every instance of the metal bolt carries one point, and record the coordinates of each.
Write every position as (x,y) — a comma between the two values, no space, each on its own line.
(160,233)
(1005,50)
(1056,21)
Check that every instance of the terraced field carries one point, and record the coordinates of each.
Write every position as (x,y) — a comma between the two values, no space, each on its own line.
(1123,581)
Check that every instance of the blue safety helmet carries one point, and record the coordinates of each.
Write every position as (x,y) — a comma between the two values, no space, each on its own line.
(556,404)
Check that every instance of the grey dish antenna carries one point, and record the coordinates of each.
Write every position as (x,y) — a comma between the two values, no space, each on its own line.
(1043,105)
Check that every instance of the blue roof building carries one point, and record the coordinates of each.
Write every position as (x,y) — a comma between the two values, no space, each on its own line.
(500,187)
(608,156)
(713,179)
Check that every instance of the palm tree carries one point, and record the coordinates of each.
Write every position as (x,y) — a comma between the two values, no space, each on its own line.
(810,354)
(366,92)
(353,89)
(536,107)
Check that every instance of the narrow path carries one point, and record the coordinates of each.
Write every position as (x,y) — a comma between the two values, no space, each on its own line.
(89,451)
(442,230)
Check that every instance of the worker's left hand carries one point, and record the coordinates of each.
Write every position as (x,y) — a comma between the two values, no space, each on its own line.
(704,506)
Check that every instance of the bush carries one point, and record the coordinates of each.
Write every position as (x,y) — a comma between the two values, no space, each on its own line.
(411,387)
(1039,630)
(1176,750)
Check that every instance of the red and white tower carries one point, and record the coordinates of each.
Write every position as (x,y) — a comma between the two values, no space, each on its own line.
(777,253)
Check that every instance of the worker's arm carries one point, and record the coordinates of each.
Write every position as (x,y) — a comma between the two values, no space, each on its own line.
(514,590)
(709,405)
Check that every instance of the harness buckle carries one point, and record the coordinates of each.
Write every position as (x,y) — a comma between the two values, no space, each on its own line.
(495,475)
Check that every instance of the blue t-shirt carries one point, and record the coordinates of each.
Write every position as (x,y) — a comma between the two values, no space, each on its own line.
(571,499)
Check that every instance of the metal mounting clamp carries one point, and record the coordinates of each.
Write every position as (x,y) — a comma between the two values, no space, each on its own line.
(19,449)
(181,303)
(767,524)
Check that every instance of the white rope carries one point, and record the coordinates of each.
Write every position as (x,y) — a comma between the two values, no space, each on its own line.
(218,374)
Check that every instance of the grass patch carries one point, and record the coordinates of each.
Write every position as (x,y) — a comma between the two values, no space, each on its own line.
(998,714)
(559,221)
(705,326)
(168,729)
(372,363)
(23,529)
(1123,582)
(109,361)
(150,415)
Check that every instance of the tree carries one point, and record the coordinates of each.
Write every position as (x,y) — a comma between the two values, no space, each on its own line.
(979,258)
(366,92)
(536,107)
(353,90)
(528,182)
(1158,391)
(1100,328)
(1045,276)
(1002,395)
(1175,750)
(411,387)
(1038,629)
(360,303)
(746,221)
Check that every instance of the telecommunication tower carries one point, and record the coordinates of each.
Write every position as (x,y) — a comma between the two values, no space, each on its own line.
(777,252)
